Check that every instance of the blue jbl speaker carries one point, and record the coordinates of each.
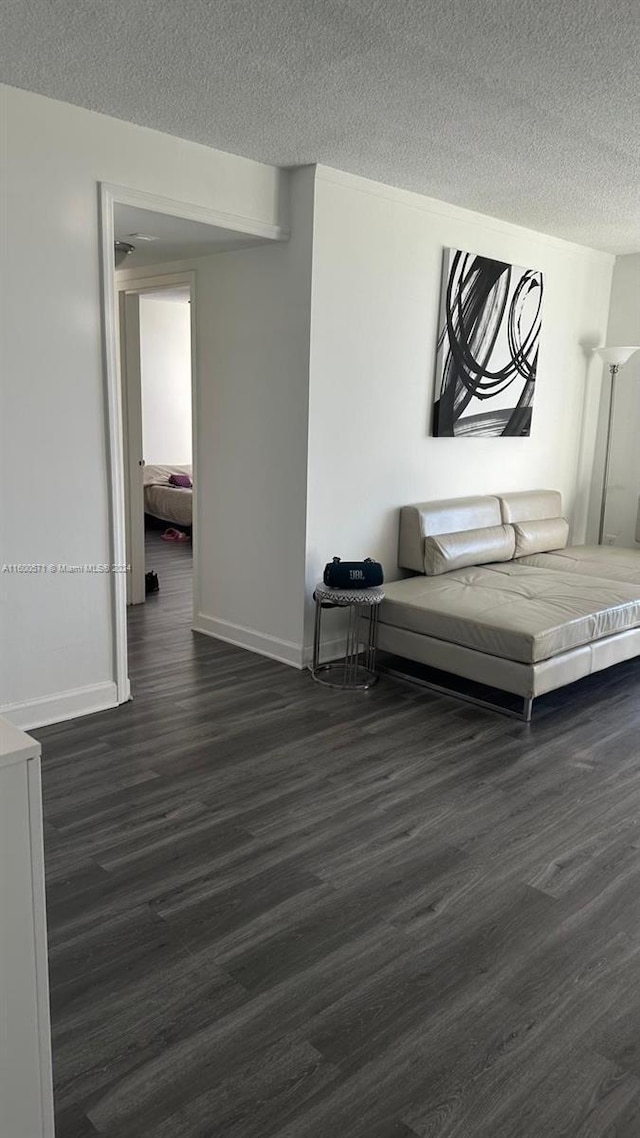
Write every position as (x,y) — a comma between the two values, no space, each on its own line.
(353,574)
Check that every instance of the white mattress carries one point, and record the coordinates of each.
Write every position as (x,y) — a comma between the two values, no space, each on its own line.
(514,611)
(168,503)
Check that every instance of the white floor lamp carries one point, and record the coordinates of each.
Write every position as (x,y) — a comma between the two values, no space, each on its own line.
(615,358)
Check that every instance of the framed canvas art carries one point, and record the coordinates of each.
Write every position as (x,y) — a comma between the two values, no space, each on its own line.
(487,355)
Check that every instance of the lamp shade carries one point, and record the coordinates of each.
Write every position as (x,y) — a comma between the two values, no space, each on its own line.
(617,356)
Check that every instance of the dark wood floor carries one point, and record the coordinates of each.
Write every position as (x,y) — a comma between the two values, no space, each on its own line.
(279,911)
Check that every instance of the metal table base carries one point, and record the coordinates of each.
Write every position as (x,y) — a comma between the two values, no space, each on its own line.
(357,670)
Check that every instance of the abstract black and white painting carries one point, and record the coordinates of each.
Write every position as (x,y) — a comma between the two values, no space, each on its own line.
(488,337)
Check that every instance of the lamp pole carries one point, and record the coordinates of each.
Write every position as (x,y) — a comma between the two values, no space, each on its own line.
(615,358)
(614,369)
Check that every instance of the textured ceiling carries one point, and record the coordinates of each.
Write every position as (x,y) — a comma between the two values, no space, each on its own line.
(175,238)
(525,109)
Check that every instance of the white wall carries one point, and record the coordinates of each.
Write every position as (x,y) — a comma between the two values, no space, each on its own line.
(623,497)
(253,357)
(361,405)
(165,365)
(377,264)
(56,630)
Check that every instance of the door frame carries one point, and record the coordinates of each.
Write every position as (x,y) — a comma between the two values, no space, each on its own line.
(146,286)
(108,195)
(131,386)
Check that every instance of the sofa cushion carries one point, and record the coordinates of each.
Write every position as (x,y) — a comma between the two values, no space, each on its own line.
(423,519)
(512,610)
(530,505)
(613,562)
(448,551)
(540,536)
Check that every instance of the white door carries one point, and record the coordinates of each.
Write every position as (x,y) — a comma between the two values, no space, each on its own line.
(130,369)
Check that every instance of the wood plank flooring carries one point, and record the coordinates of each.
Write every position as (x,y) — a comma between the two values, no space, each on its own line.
(280,911)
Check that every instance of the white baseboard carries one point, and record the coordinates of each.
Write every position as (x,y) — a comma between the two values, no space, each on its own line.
(63,705)
(285,651)
(331,650)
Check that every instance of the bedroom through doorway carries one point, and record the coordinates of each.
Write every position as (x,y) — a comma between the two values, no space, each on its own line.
(156,379)
(167,432)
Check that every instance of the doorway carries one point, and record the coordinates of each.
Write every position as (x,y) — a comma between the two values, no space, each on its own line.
(157,386)
(169,239)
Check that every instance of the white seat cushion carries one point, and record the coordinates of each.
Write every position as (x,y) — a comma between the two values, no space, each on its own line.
(608,561)
(515,611)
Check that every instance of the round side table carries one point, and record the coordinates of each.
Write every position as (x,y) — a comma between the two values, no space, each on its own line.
(349,674)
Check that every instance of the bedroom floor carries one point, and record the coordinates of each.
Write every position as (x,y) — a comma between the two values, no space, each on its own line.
(168,610)
(279,911)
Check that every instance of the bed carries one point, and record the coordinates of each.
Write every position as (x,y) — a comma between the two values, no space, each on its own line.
(171,504)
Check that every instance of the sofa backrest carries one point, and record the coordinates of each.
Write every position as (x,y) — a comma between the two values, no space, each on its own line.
(426,519)
(530,505)
(458,515)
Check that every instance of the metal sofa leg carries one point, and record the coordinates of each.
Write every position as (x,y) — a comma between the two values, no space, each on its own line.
(527,709)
